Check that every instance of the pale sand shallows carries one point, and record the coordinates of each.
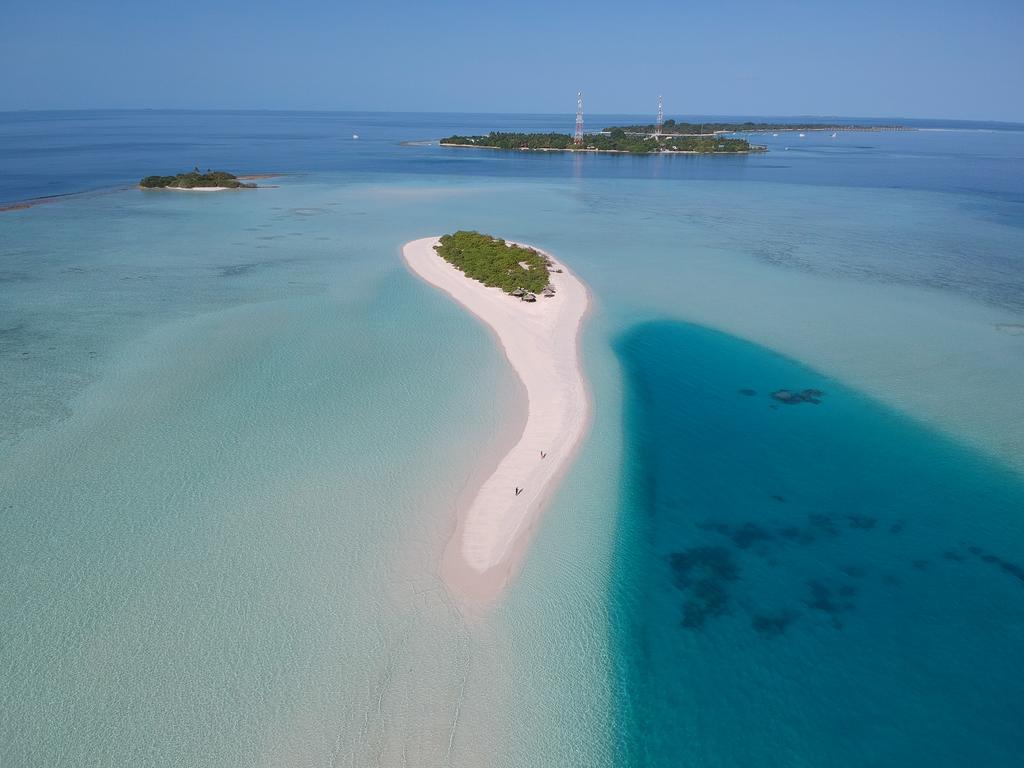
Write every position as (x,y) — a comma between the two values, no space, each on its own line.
(199,189)
(540,342)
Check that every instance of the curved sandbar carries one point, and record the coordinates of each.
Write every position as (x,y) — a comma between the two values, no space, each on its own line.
(540,342)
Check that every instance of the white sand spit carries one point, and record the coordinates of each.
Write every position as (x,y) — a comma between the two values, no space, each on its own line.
(199,189)
(540,341)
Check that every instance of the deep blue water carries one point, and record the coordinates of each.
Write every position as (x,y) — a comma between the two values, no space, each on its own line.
(807,584)
(58,153)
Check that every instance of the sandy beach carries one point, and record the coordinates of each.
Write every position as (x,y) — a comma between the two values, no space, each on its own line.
(541,343)
(199,189)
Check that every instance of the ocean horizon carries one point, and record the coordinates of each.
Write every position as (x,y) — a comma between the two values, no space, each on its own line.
(236,428)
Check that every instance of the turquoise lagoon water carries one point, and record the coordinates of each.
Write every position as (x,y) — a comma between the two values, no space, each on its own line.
(234,429)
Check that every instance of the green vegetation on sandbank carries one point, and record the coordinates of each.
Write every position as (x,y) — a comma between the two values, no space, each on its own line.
(616,140)
(700,129)
(494,262)
(195,180)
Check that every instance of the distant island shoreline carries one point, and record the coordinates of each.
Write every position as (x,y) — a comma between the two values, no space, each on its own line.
(593,150)
(196,181)
(668,137)
(613,140)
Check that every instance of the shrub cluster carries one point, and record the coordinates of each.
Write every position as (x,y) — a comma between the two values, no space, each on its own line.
(194,179)
(494,262)
(618,140)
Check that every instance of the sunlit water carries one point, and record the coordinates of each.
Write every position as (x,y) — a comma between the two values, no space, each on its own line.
(234,428)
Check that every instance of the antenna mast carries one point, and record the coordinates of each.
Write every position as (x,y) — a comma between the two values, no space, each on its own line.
(661,117)
(578,138)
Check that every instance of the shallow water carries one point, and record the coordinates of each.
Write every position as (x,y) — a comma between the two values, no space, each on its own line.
(233,427)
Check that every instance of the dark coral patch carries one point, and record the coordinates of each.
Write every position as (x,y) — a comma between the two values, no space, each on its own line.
(820,598)
(702,562)
(790,397)
(709,599)
(742,536)
(748,534)
(823,598)
(704,574)
(1013,569)
(772,625)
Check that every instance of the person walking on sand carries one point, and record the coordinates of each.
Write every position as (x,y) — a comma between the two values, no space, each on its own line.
(543,455)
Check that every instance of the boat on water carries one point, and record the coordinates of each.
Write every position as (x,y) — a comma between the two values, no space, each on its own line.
(801,136)
(355,135)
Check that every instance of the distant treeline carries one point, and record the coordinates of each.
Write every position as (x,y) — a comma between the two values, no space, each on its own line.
(616,140)
(195,179)
(494,262)
(671,126)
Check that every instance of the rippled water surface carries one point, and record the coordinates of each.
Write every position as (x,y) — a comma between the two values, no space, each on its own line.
(235,428)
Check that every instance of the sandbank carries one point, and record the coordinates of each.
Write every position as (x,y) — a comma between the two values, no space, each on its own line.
(540,341)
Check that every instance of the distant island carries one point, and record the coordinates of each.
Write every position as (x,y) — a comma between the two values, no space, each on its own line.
(196,180)
(671,128)
(670,137)
(614,140)
(519,271)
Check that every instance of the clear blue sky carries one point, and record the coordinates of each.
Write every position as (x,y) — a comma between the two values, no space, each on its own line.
(906,58)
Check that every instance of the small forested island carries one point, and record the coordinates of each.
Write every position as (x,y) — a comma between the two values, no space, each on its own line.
(518,271)
(196,180)
(614,140)
(673,128)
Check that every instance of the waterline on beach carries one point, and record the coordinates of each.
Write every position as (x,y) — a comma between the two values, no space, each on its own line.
(540,341)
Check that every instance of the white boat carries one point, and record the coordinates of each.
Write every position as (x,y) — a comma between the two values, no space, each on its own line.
(355,135)
(834,135)
(801,135)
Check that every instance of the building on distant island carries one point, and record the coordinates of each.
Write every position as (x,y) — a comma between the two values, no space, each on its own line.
(652,139)
(662,136)
(578,137)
